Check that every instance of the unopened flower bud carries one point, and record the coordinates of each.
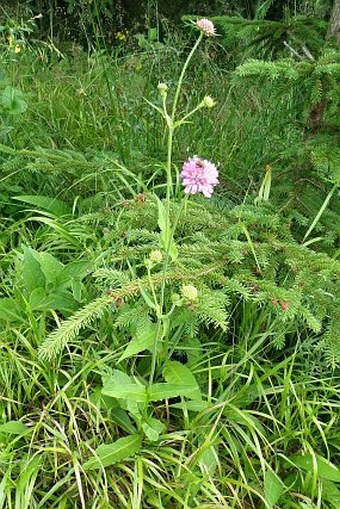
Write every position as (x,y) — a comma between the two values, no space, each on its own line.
(156,256)
(189,292)
(208,102)
(163,89)
(176,299)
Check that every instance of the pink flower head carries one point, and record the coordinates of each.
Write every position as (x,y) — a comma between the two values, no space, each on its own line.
(206,26)
(199,176)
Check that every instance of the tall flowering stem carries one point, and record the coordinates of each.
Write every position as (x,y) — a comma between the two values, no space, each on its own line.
(206,28)
(171,125)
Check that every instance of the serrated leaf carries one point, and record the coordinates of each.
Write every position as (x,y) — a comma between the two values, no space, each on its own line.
(107,455)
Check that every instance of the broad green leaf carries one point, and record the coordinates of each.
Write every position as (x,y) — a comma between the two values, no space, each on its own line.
(325,469)
(77,288)
(41,300)
(50,266)
(331,493)
(273,488)
(143,340)
(173,251)
(72,276)
(194,405)
(13,101)
(153,428)
(152,34)
(161,391)
(120,386)
(107,455)
(164,225)
(13,428)
(120,416)
(133,392)
(75,270)
(176,373)
(9,310)
(31,272)
(56,207)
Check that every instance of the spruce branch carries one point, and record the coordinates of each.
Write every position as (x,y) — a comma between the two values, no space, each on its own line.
(69,329)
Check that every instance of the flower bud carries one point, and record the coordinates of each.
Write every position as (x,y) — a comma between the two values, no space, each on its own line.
(208,102)
(163,89)
(189,292)
(176,299)
(156,256)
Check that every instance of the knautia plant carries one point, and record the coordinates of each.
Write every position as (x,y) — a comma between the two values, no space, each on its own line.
(197,175)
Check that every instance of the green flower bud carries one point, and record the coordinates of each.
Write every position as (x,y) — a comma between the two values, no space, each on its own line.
(208,102)
(163,89)
(176,299)
(156,256)
(189,292)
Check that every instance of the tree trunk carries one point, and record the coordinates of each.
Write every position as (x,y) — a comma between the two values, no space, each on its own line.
(334,22)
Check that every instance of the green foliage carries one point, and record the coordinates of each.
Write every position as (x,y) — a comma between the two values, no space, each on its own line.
(258,38)
(157,354)
(297,287)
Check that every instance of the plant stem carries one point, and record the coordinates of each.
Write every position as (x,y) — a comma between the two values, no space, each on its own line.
(180,81)
(169,186)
